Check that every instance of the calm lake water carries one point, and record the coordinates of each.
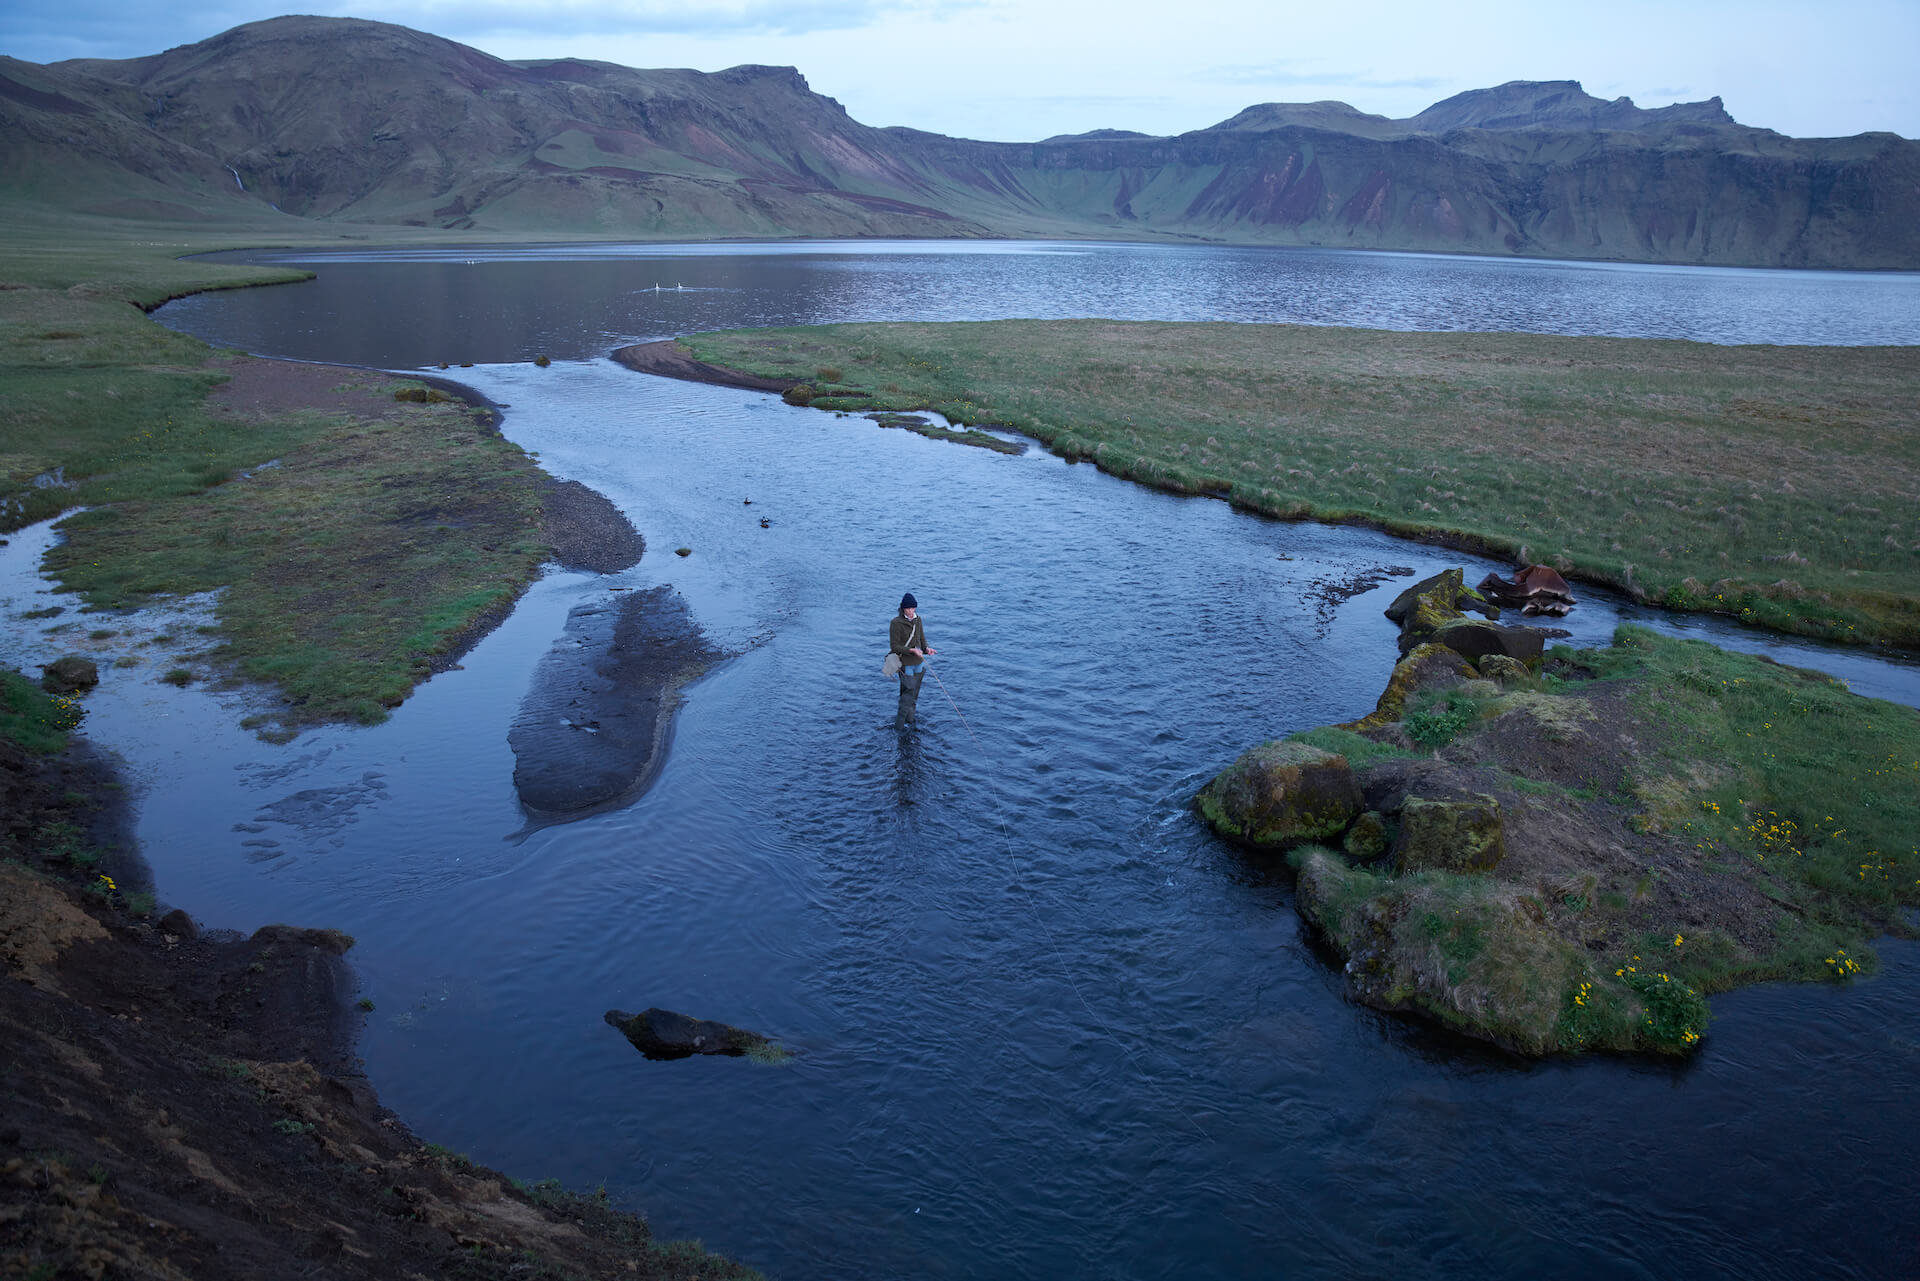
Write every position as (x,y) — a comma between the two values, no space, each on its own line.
(1044,1024)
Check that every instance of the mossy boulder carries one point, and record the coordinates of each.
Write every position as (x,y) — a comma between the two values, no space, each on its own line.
(1469,952)
(799,394)
(1424,667)
(1433,601)
(1440,586)
(1279,795)
(69,675)
(1449,835)
(1502,669)
(1367,838)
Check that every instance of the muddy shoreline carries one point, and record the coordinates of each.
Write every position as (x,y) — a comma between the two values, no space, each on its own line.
(669,360)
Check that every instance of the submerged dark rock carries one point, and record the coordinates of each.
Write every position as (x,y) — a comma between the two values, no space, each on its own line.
(592,728)
(663,1034)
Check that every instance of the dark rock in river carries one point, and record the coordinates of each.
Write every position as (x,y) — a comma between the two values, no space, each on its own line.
(593,726)
(69,675)
(662,1034)
(1279,795)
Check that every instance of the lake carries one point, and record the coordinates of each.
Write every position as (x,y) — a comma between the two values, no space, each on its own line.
(1044,1024)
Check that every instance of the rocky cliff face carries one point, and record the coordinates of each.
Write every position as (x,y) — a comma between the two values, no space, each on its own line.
(360,121)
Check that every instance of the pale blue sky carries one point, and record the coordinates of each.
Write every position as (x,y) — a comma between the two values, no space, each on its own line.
(1020,70)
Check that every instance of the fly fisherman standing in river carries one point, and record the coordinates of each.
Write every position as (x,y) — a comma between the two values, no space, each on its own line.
(907,638)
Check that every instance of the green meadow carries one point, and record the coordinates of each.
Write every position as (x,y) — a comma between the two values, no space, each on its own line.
(1780,485)
(377,541)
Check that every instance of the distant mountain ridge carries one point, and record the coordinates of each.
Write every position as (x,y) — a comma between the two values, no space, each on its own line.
(351,121)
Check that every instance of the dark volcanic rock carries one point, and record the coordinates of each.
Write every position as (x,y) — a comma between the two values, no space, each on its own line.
(1470,638)
(662,1034)
(591,729)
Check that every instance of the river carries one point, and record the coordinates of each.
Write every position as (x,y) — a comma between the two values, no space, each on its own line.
(1044,1024)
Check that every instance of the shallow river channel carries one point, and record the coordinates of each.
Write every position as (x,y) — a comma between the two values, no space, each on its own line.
(1044,1024)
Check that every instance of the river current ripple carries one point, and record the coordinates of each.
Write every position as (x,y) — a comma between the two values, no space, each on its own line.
(1044,1024)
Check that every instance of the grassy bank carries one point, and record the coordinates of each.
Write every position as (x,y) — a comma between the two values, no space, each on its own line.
(352,545)
(1773,484)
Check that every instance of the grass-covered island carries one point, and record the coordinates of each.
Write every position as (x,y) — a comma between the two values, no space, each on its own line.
(1552,852)
(1568,850)
(1775,484)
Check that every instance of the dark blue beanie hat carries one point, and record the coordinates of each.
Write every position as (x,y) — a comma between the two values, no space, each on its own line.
(908,602)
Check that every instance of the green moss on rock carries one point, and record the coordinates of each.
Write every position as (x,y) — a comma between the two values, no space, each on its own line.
(1425,667)
(1503,670)
(1453,836)
(1279,795)
(1367,838)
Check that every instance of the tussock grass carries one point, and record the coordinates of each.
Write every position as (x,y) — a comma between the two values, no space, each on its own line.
(1776,484)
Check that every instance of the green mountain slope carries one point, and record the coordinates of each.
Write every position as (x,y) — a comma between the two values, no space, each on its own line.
(361,122)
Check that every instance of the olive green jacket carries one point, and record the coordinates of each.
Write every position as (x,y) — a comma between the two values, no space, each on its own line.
(902,635)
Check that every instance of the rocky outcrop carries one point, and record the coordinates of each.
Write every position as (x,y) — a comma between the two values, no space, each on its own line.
(663,1034)
(1411,946)
(1502,669)
(1279,795)
(1451,868)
